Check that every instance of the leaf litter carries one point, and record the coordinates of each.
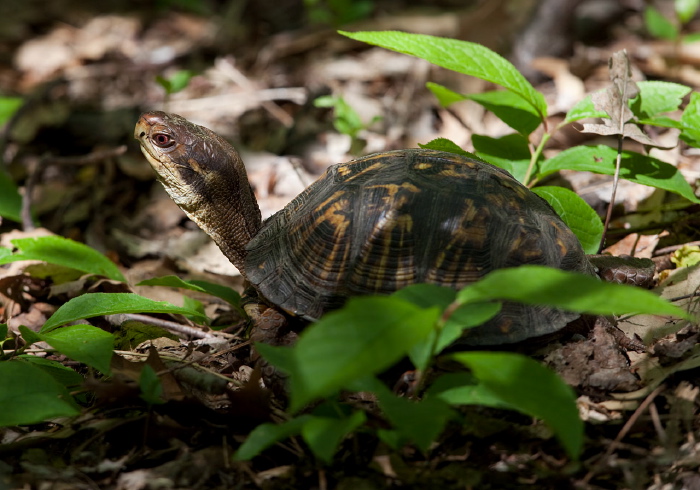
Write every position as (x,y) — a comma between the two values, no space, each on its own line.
(489,448)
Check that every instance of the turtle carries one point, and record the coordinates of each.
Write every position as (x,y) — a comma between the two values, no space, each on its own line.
(369,226)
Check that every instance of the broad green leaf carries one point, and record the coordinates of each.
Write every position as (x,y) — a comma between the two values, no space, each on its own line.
(10,199)
(511,152)
(464,389)
(532,389)
(658,25)
(444,95)
(66,376)
(662,122)
(366,336)
(691,38)
(97,304)
(584,109)
(227,294)
(29,395)
(634,167)
(151,386)
(265,435)
(176,82)
(8,107)
(576,213)
(224,292)
(67,253)
(509,108)
(420,422)
(538,285)
(686,9)
(443,144)
(83,343)
(323,435)
(464,316)
(461,56)
(691,121)
(657,98)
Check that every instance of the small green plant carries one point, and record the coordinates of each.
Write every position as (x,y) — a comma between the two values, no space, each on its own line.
(346,120)
(661,27)
(337,12)
(524,109)
(174,83)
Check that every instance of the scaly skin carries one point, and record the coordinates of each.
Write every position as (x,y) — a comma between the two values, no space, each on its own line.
(205,176)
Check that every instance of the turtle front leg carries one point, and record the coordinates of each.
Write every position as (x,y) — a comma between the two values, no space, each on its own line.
(269,326)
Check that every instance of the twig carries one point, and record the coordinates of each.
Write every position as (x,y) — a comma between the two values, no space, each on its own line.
(623,432)
(177,328)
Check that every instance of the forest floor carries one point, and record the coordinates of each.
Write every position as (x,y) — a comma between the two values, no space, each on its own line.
(252,73)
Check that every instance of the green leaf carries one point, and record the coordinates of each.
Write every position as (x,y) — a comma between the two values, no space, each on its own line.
(461,56)
(464,316)
(8,107)
(511,152)
(265,435)
(98,304)
(532,389)
(10,199)
(176,82)
(227,294)
(64,252)
(444,95)
(691,121)
(686,9)
(443,144)
(657,98)
(323,435)
(463,389)
(366,336)
(576,213)
(658,25)
(509,108)
(64,375)
(420,422)
(538,285)
(83,343)
(151,387)
(634,167)
(584,109)
(691,38)
(29,395)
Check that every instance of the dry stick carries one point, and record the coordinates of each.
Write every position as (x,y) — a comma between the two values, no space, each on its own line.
(176,328)
(45,161)
(623,432)
(616,178)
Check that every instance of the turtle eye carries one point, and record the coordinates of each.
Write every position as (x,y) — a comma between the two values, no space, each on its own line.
(162,140)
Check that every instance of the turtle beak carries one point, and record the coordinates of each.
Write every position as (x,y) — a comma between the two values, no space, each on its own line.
(147,121)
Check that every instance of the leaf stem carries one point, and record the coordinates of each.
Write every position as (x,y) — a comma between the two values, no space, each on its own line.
(535,157)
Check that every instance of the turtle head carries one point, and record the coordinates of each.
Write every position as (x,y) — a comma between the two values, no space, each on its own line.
(205,176)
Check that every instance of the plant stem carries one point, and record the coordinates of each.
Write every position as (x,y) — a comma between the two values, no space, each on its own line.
(535,157)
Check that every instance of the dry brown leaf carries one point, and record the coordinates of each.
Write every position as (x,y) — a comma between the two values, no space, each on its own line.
(613,101)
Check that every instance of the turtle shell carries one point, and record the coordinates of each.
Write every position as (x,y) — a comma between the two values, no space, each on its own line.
(388,220)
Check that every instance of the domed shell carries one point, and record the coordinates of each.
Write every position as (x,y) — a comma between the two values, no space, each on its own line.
(385,221)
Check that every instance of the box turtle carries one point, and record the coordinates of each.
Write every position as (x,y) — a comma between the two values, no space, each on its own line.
(369,226)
